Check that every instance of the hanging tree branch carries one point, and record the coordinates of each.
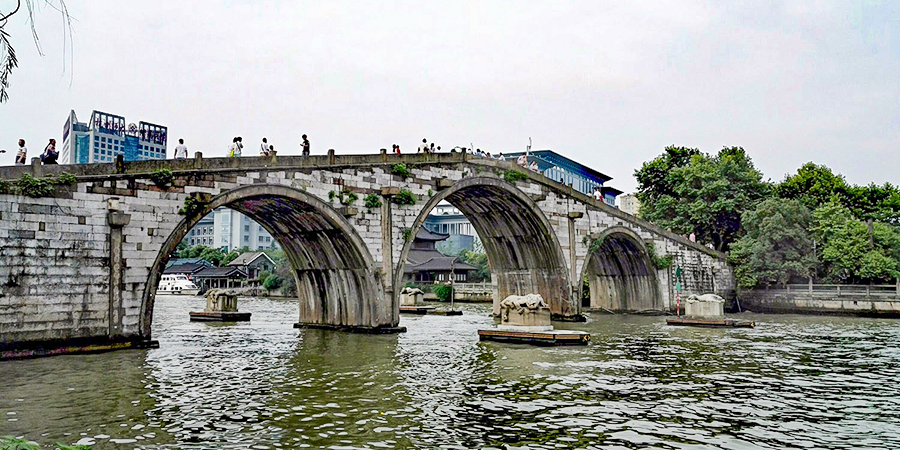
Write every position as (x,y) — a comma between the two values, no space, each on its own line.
(10,62)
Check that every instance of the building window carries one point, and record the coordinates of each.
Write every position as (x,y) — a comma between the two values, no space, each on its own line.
(246,227)
(260,239)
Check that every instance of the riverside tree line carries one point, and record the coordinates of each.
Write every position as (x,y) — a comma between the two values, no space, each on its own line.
(811,225)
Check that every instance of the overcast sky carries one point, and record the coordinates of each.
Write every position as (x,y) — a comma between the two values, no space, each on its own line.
(608,84)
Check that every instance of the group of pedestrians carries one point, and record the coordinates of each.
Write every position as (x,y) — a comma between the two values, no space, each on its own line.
(48,156)
(522,161)
(265,148)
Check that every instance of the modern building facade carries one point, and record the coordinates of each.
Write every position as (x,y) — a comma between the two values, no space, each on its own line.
(630,204)
(582,178)
(447,219)
(233,230)
(229,230)
(107,135)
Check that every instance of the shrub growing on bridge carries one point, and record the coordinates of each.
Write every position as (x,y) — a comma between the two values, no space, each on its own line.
(405,197)
(400,169)
(373,201)
(512,176)
(162,178)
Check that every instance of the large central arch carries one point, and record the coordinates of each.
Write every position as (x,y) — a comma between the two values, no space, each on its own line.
(338,283)
(523,251)
(621,275)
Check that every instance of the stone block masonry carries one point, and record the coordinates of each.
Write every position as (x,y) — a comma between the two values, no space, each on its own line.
(76,270)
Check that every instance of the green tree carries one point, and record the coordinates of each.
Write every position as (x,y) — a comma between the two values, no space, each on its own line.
(777,247)
(705,196)
(875,203)
(479,260)
(813,185)
(853,251)
(272,281)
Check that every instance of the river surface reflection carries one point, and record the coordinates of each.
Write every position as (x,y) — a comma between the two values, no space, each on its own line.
(793,382)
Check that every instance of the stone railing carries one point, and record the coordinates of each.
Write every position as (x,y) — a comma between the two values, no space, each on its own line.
(473,291)
(863,300)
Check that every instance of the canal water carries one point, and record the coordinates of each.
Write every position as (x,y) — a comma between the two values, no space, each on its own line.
(792,382)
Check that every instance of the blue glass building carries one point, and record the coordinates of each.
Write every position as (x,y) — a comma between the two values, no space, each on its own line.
(582,178)
(107,135)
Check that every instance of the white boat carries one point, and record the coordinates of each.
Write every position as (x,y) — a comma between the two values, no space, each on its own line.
(177,284)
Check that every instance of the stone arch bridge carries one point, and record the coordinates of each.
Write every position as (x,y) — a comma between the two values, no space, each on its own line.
(79,268)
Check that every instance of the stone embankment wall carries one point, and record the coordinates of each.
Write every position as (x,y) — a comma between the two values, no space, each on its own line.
(873,301)
(84,263)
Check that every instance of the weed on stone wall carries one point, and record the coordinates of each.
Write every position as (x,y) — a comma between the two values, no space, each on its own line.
(30,186)
(405,197)
(192,206)
(400,169)
(512,176)
(162,178)
(406,234)
(373,200)
(344,197)
(660,262)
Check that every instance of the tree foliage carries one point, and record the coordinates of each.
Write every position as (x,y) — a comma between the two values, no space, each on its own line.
(853,251)
(215,256)
(776,248)
(815,185)
(479,260)
(692,192)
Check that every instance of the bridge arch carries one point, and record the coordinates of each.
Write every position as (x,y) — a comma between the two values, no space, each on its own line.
(620,272)
(522,248)
(337,280)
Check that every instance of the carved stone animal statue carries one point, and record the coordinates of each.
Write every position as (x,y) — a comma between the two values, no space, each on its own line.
(522,304)
(705,298)
(221,300)
(411,291)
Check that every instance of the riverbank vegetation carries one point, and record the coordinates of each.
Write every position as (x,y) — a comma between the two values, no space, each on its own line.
(811,225)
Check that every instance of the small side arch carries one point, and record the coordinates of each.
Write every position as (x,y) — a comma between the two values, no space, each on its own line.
(522,248)
(621,274)
(338,283)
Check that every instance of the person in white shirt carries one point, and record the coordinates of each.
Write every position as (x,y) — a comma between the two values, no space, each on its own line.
(22,154)
(522,160)
(534,167)
(181,150)
(598,195)
(234,150)
(424,147)
(265,149)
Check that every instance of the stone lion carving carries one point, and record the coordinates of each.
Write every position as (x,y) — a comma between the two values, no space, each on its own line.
(705,298)
(221,300)
(411,291)
(522,304)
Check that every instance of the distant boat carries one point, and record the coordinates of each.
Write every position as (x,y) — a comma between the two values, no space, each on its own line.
(177,285)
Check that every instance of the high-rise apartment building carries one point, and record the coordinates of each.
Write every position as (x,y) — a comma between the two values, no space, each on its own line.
(630,204)
(107,135)
(229,230)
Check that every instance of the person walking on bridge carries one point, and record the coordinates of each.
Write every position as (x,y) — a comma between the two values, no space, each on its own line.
(265,149)
(424,147)
(50,154)
(305,146)
(22,154)
(181,150)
